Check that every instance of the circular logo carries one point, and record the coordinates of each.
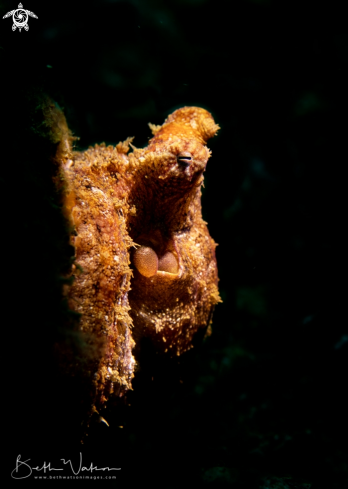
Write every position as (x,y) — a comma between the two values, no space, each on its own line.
(20,17)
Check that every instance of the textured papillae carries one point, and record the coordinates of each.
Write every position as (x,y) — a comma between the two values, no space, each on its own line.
(144,260)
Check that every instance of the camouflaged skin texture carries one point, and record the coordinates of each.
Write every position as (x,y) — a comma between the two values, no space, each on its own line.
(145,262)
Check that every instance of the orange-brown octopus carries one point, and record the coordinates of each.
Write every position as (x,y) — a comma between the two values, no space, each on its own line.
(144,260)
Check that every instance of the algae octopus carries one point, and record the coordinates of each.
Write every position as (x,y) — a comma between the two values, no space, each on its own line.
(145,263)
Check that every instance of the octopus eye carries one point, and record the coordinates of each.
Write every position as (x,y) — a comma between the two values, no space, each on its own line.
(184,159)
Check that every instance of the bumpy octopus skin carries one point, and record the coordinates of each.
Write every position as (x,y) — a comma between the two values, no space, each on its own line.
(144,260)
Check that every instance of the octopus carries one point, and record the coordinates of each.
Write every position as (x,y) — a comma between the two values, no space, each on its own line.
(145,263)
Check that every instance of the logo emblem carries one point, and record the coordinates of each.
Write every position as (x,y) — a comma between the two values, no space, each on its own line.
(20,18)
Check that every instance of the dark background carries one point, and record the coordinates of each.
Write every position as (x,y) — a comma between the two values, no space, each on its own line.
(262,402)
